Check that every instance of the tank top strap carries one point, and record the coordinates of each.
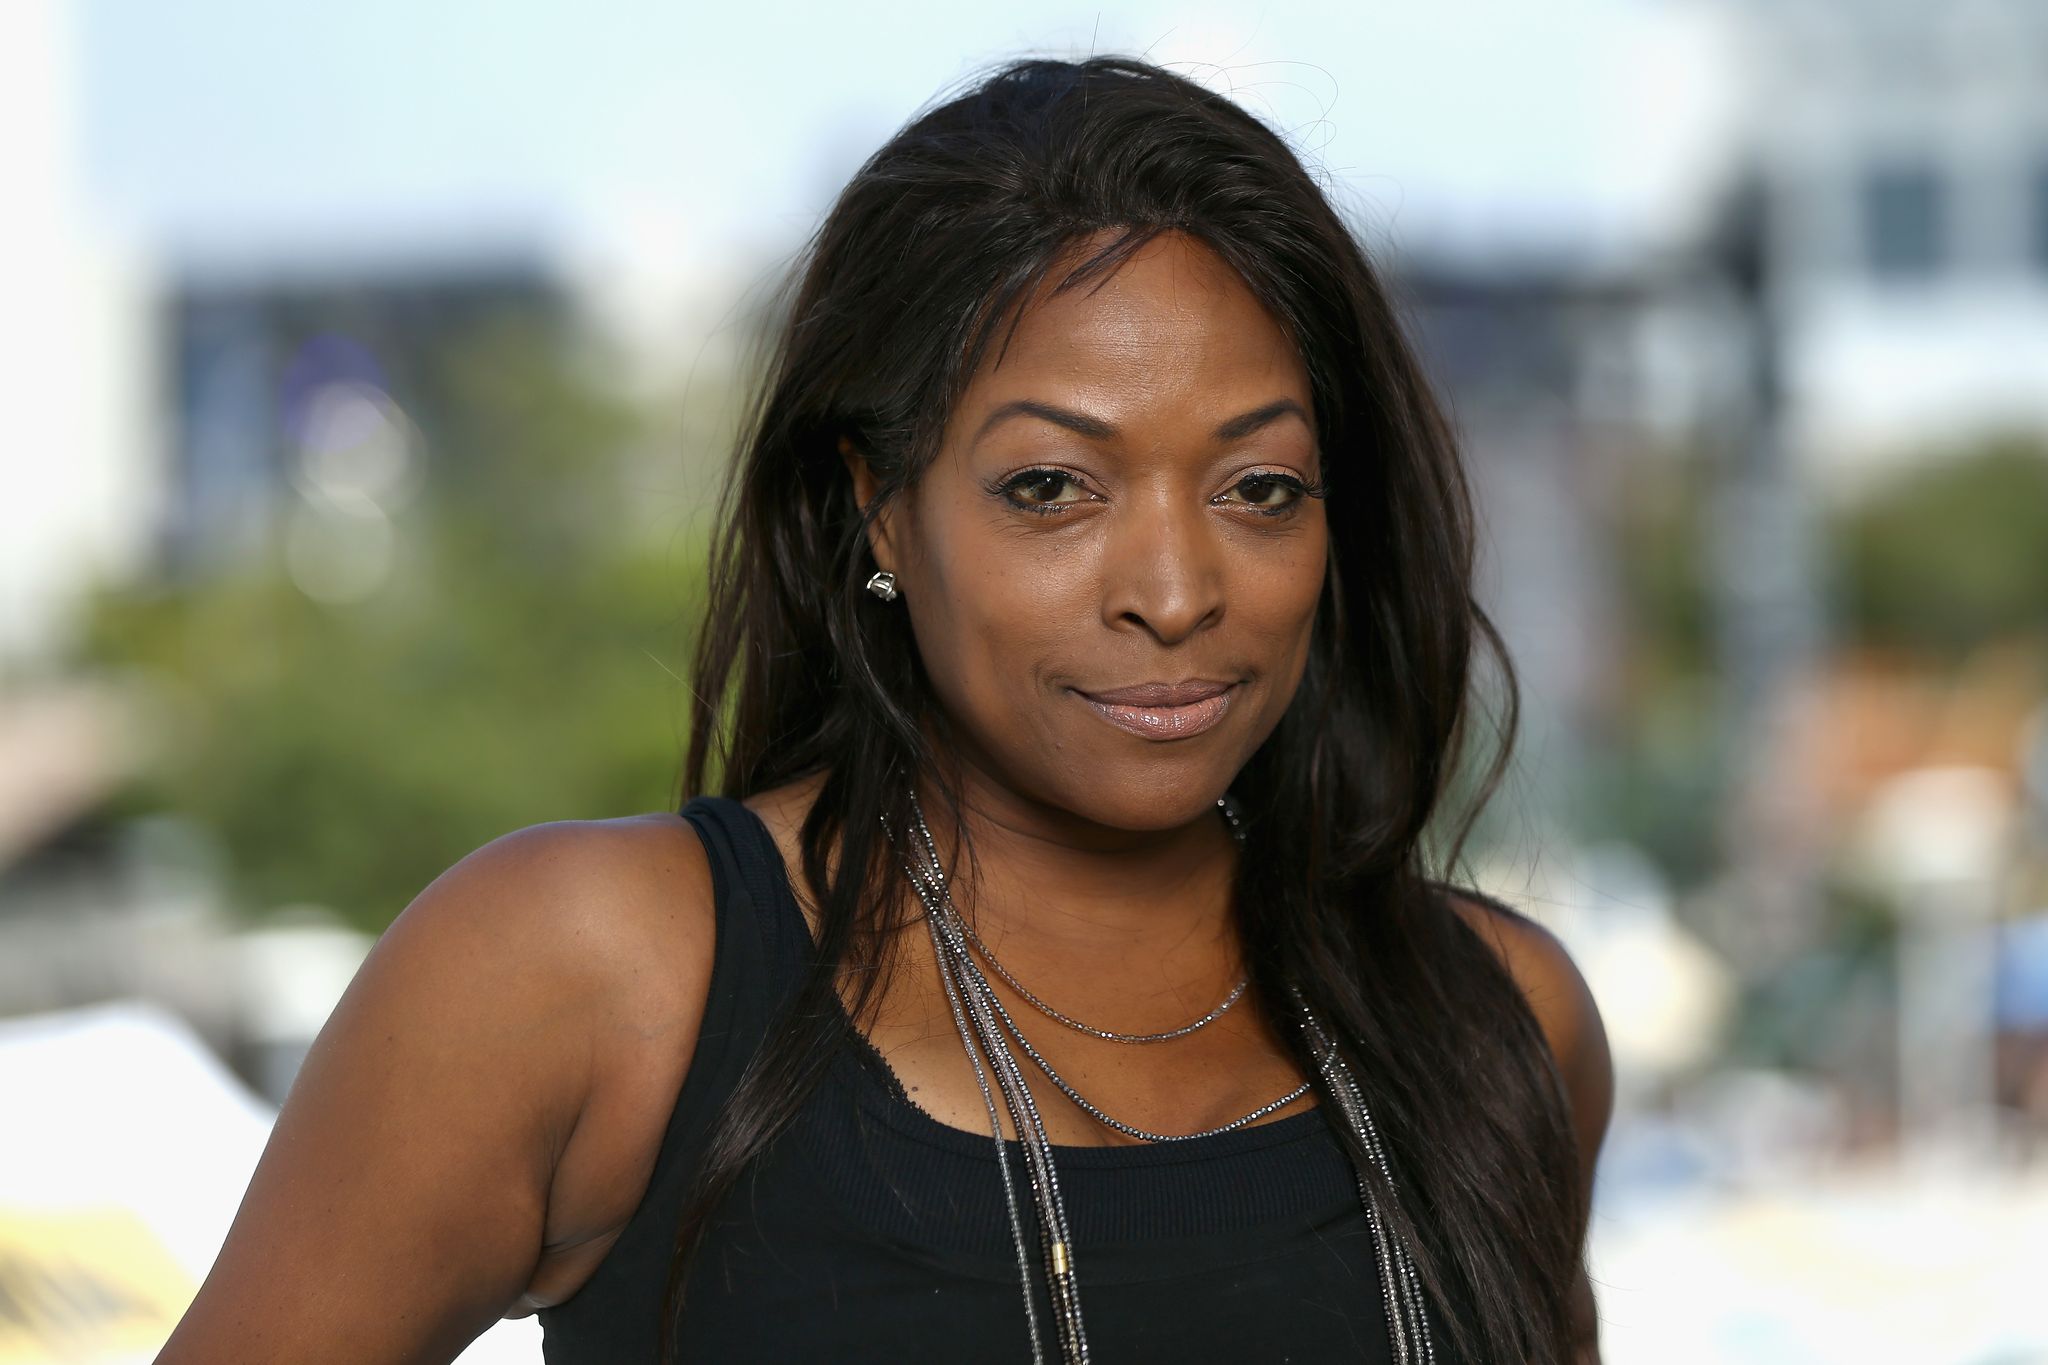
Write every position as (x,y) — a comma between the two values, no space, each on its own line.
(752,885)
(757,963)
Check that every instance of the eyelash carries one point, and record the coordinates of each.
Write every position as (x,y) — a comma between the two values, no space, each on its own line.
(1029,476)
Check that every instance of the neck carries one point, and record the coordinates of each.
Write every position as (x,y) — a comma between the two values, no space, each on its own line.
(1055,893)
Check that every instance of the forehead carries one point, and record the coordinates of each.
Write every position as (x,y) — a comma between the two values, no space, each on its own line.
(1173,323)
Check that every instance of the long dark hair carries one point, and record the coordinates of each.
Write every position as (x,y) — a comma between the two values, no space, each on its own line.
(896,298)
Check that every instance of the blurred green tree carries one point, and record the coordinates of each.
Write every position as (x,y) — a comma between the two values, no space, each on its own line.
(1658,770)
(1950,555)
(520,663)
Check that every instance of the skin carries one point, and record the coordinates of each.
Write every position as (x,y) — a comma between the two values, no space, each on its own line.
(478,1120)
(1166,553)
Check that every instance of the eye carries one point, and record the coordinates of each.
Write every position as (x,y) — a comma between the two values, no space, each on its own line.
(1260,491)
(1038,487)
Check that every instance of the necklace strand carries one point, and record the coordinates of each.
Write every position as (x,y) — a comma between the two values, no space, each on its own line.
(980,1016)
(939,892)
(1405,1301)
(1110,1035)
(1211,1017)
(1010,1027)
(1036,1144)
(1037,1147)
(1032,1136)
(1002,1154)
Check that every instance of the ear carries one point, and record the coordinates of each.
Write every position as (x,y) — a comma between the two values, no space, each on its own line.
(880,541)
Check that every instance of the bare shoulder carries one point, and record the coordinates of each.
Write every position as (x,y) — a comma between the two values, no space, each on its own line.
(1539,963)
(1561,1001)
(606,922)
(1570,1019)
(624,911)
(610,901)
(478,1118)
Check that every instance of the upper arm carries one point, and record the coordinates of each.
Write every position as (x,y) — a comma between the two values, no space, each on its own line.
(404,1198)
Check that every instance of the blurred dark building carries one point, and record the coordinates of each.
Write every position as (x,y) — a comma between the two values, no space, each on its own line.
(1567,383)
(269,374)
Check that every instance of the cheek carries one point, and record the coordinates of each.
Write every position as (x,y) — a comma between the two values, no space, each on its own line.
(1295,584)
(1279,605)
(989,616)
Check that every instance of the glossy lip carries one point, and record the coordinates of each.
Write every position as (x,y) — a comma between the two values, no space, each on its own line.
(1160,693)
(1163,711)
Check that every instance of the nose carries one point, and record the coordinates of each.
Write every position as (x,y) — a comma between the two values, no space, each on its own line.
(1163,570)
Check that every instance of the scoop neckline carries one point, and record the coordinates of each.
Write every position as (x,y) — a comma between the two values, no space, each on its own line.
(912,1120)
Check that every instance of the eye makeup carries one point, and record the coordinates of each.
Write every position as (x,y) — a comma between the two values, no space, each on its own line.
(1261,480)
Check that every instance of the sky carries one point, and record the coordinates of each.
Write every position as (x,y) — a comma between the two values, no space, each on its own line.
(665,159)
(221,130)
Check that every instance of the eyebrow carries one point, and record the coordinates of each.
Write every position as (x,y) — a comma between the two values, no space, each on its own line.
(1242,425)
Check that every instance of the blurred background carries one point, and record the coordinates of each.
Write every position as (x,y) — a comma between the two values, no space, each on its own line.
(367,372)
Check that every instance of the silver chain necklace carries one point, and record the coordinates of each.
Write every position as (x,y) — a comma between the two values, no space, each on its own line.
(982,1020)
(1010,1027)
(1237,833)
(1211,1017)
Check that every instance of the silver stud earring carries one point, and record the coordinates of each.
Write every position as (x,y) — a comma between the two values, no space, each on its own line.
(883,585)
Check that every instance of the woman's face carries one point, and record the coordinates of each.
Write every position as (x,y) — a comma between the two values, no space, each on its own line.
(1118,505)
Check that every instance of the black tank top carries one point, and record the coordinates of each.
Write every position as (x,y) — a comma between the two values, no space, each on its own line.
(871,1231)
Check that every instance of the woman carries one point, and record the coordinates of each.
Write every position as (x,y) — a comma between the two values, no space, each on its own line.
(1057,975)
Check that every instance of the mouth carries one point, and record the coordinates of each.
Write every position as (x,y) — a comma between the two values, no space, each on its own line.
(1163,711)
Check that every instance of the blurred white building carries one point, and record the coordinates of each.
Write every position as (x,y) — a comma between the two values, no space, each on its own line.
(1901,150)
(74,357)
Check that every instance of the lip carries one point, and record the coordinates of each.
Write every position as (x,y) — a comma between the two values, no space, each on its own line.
(1163,711)
(1159,693)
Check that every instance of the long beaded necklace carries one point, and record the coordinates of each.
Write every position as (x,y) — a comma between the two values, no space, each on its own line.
(981,1018)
